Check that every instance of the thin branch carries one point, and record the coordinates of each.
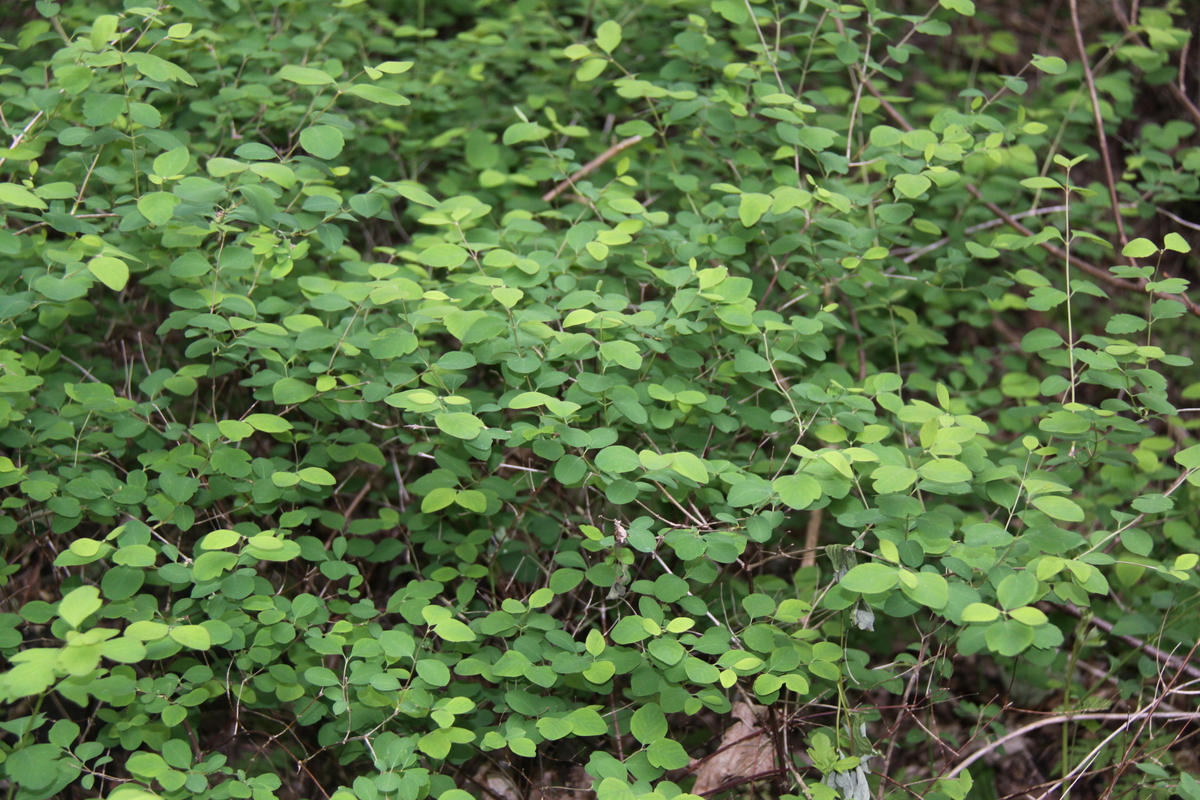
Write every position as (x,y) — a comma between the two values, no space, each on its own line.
(1058,720)
(591,167)
(1104,154)
(1161,656)
(1091,269)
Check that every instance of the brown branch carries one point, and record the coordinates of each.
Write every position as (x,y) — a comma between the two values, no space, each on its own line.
(1089,268)
(1175,90)
(591,167)
(1161,656)
(1091,84)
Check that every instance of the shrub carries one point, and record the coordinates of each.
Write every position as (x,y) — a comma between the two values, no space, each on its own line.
(391,393)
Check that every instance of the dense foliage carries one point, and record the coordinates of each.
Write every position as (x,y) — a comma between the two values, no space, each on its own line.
(455,399)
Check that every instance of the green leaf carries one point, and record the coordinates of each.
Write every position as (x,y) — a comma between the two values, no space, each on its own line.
(629,630)
(305,76)
(931,590)
(112,272)
(171,163)
(158,207)
(1173,241)
(749,492)
(912,185)
(291,391)
(608,35)
(752,206)
(617,459)
(980,612)
(870,578)
(79,604)
(194,636)
(891,479)
(797,491)
(1058,508)
(648,724)
(453,630)
(460,424)
(964,7)
(378,94)
(1029,615)
(690,466)
(13,195)
(443,255)
(1051,65)
(322,141)
(1040,339)
(268,423)
(1017,589)
(1139,248)
(945,470)
(438,499)
(1009,637)
(317,476)
(524,132)
(624,353)
(667,754)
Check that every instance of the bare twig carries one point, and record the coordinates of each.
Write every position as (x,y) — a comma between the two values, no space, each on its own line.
(1161,656)
(1104,154)
(591,167)
(1127,719)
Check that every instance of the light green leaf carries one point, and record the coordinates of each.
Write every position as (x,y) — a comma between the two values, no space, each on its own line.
(460,424)
(1173,241)
(220,539)
(13,195)
(1051,65)
(437,499)
(79,604)
(964,7)
(797,491)
(453,630)
(112,272)
(667,754)
(980,612)
(268,423)
(690,466)
(931,590)
(316,475)
(912,185)
(608,35)
(891,479)
(1139,248)
(752,206)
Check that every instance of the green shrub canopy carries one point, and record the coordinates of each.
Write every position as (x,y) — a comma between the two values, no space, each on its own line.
(396,397)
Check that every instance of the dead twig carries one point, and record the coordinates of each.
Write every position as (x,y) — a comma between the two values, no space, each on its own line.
(591,167)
